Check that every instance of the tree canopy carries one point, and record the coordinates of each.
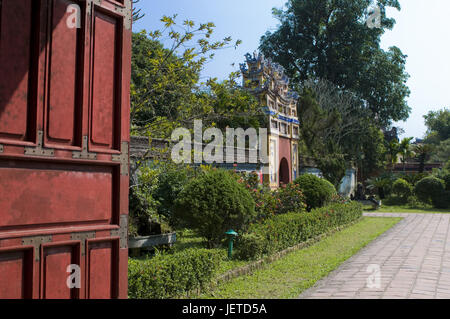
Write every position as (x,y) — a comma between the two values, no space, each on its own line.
(166,91)
(438,125)
(329,39)
(438,134)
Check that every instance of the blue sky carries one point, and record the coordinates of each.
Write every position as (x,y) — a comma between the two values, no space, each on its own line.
(422,32)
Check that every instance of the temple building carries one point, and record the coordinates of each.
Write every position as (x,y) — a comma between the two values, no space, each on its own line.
(268,82)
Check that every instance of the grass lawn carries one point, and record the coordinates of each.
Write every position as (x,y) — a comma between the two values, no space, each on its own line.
(291,275)
(406,209)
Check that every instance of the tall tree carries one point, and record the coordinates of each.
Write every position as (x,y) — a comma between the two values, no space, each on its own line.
(393,150)
(423,153)
(330,39)
(165,77)
(336,129)
(438,124)
(405,150)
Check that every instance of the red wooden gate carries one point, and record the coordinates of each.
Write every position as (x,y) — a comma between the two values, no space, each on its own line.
(64,136)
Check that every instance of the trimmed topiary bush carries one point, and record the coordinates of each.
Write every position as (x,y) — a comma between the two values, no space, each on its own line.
(214,202)
(287,230)
(428,188)
(171,275)
(317,191)
(402,189)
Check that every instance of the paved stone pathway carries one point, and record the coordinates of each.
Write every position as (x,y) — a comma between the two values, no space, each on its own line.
(413,259)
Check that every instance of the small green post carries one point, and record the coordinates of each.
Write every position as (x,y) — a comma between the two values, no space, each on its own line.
(231,236)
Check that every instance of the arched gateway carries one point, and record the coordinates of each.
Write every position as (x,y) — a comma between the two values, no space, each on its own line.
(267,81)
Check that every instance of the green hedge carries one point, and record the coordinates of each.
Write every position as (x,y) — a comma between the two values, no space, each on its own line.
(171,275)
(284,231)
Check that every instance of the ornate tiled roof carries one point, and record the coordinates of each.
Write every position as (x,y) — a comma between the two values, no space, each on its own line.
(262,72)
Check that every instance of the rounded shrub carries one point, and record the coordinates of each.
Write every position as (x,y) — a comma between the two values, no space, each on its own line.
(402,188)
(317,191)
(214,202)
(446,179)
(428,188)
(442,200)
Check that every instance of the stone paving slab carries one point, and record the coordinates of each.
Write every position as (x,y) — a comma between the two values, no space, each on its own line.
(410,260)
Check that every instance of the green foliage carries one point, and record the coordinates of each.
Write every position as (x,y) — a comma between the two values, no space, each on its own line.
(317,191)
(442,200)
(214,202)
(402,188)
(373,150)
(423,153)
(443,174)
(405,150)
(287,230)
(251,246)
(161,81)
(330,40)
(446,179)
(413,178)
(165,88)
(333,167)
(290,199)
(429,189)
(171,275)
(381,185)
(438,124)
(266,204)
(414,203)
(335,123)
(441,152)
(142,205)
(171,181)
(393,150)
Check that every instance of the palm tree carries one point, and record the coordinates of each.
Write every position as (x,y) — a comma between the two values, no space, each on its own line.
(405,150)
(423,153)
(393,149)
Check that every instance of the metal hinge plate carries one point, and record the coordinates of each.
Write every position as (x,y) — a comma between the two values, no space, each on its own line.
(84,154)
(39,150)
(126,12)
(82,237)
(123,158)
(122,233)
(36,242)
